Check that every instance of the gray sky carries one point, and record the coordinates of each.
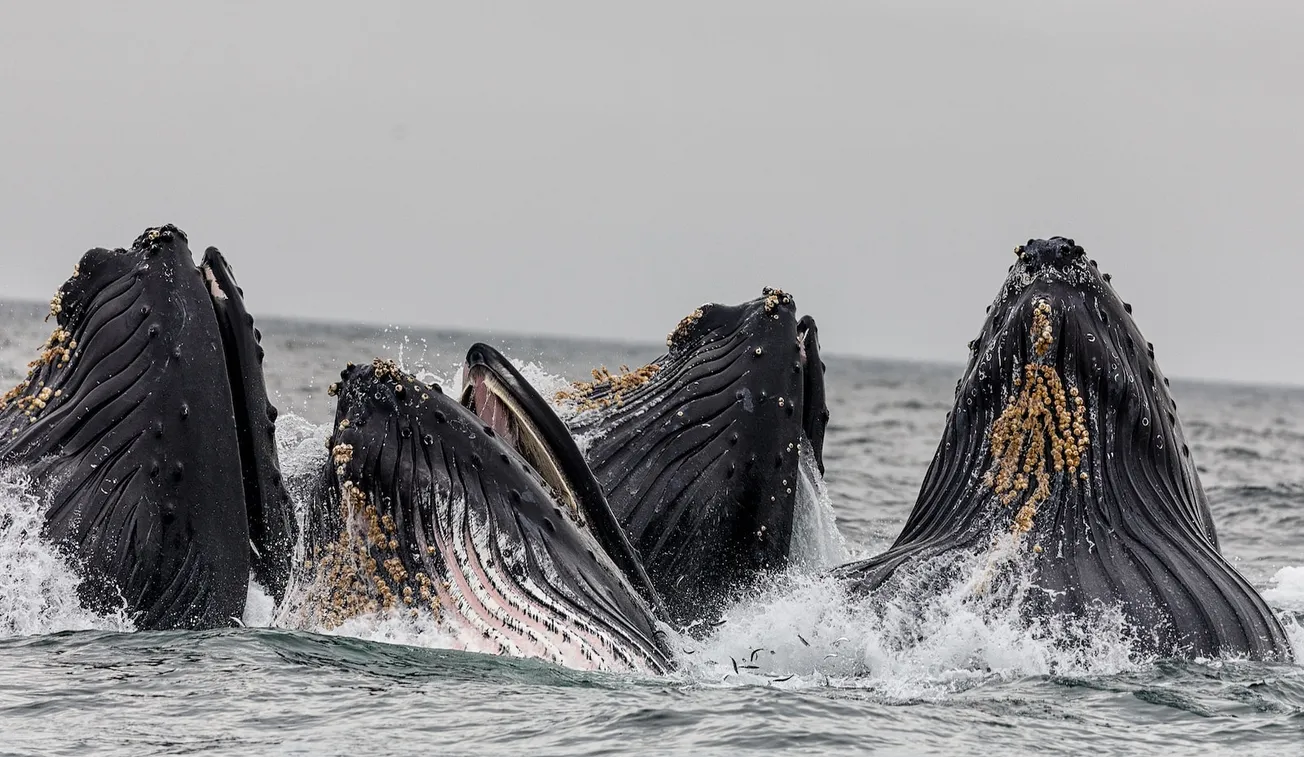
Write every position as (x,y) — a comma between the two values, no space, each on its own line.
(600,168)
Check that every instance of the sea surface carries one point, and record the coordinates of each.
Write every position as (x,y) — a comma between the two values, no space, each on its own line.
(798,668)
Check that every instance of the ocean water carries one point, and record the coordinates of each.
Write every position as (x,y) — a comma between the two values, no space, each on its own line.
(798,668)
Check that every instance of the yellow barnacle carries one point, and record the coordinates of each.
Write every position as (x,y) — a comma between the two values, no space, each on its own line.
(1037,418)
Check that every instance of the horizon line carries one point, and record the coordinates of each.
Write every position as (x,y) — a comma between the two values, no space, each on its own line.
(628,342)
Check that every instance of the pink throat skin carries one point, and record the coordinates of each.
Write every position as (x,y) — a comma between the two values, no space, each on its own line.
(487,406)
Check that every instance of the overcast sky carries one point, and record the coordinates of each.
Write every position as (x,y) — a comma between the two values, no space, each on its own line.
(601,168)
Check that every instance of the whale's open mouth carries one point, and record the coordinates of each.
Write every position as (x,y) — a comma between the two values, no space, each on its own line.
(500,396)
(486,392)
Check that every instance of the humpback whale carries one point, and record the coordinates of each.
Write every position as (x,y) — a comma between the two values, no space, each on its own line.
(469,515)
(698,452)
(1064,460)
(146,426)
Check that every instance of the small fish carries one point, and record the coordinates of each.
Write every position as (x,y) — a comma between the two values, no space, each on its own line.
(756,652)
(735,664)
(803,641)
(783,680)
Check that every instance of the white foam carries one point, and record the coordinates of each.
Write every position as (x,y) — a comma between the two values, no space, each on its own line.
(817,543)
(911,644)
(547,384)
(260,608)
(1295,633)
(38,588)
(397,627)
(1287,592)
(1287,596)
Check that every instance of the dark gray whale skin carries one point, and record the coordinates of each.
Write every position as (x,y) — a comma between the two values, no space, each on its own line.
(698,453)
(127,426)
(1128,525)
(273,530)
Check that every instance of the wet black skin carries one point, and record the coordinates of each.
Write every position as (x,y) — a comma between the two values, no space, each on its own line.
(700,463)
(1136,533)
(412,448)
(597,513)
(137,448)
(273,529)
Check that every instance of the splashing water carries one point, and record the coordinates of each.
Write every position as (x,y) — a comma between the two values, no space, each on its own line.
(38,588)
(817,543)
(1287,594)
(260,608)
(1287,591)
(906,643)
(301,447)
(398,627)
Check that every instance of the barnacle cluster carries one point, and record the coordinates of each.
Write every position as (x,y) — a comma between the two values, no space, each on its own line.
(681,331)
(613,384)
(1041,331)
(56,302)
(341,454)
(56,352)
(775,296)
(387,370)
(360,571)
(1043,417)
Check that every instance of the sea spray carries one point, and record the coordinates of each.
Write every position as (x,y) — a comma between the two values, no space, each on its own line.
(940,629)
(38,587)
(1287,595)
(260,607)
(817,543)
